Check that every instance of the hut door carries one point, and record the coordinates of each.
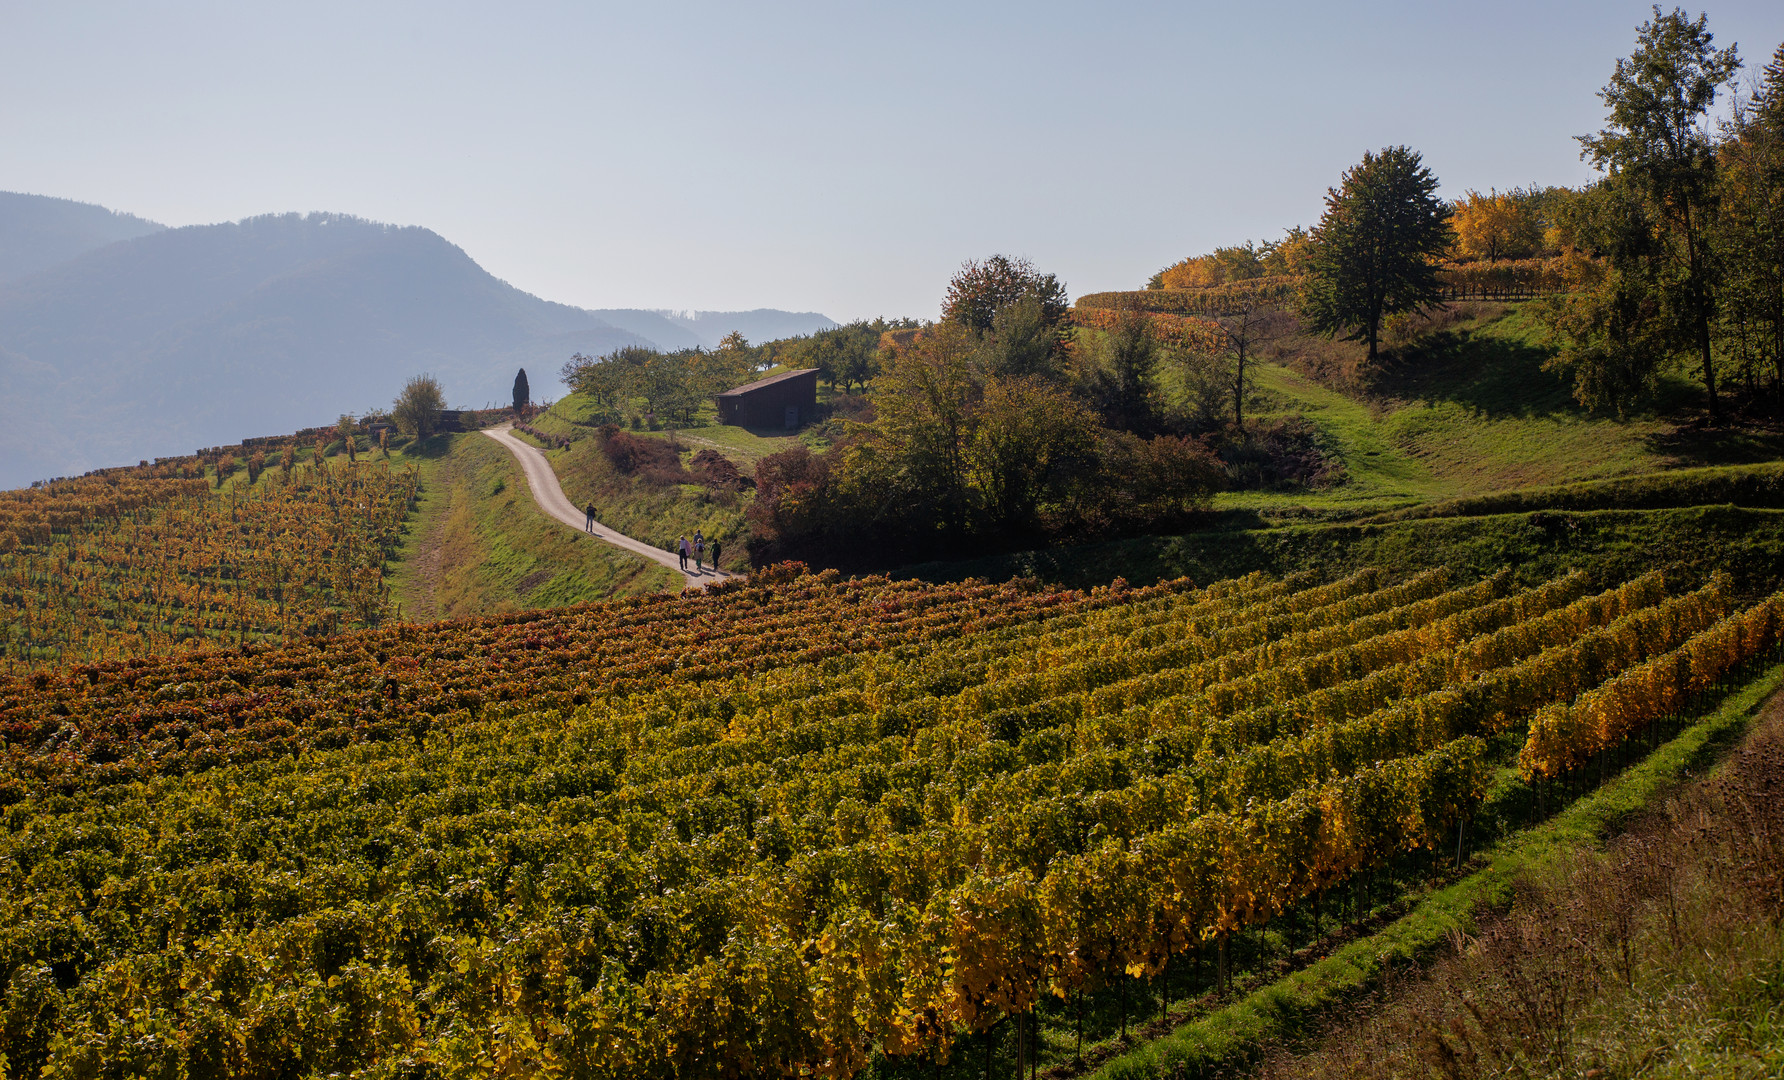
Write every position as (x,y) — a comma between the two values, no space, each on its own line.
(792,417)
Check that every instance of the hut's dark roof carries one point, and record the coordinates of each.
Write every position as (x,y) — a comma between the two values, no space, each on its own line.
(769,381)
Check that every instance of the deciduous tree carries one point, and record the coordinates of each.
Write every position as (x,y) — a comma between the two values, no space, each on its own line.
(344,428)
(417,409)
(1030,439)
(1497,225)
(1375,250)
(980,288)
(1750,237)
(1658,142)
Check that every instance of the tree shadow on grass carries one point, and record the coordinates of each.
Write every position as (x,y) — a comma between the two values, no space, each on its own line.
(1700,444)
(431,448)
(1495,376)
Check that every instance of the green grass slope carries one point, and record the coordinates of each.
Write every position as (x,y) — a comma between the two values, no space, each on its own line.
(480,544)
(1468,410)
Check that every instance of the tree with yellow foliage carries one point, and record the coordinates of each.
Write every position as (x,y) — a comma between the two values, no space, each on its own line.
(1496,226)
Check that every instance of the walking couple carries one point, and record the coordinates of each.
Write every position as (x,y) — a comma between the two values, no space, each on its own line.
(697,551)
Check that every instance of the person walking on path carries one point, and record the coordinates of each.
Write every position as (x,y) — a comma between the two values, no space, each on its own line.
(699,554)
(715,556)
(682,550)
(589,525)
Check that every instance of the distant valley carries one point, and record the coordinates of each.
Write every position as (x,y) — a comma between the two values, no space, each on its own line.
(121,339)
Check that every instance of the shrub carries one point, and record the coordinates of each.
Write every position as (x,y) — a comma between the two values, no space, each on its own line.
(1282,453)
(652,460)
(715,470)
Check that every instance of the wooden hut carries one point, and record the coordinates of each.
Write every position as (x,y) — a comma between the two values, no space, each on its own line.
(780,401)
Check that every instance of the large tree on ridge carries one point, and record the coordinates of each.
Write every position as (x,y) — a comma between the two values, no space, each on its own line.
(1375,250)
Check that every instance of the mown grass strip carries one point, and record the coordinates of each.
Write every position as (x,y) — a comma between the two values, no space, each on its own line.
(1287,1007)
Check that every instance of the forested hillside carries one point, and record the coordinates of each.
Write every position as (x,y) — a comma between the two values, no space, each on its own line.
(38,232)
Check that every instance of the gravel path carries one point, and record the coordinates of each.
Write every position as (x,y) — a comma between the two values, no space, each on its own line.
(550,496)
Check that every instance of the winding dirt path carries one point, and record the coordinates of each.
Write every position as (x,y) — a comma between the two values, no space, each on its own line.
(543,483)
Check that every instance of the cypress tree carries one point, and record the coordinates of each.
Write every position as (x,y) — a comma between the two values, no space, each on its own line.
(522,395)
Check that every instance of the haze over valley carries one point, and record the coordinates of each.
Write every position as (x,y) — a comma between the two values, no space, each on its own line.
(121,339)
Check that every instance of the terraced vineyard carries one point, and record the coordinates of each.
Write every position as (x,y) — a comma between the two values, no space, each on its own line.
(784,826)
(146,561)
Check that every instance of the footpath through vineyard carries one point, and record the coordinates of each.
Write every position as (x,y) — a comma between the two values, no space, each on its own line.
(782,826)
(549,494)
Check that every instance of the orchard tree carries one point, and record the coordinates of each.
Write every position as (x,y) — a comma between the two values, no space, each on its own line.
(981,288)
(1021,342)
(417,409)
(1658,143)
(608,379)
(1375,250)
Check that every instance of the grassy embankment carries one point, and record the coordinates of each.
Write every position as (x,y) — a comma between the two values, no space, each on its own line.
(1469,410)
(479,543)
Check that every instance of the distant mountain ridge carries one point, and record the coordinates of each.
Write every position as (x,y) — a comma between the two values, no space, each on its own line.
(38,232)
(170,339)
(757,326)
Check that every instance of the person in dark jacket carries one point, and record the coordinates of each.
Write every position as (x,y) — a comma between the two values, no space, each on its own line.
(589,525)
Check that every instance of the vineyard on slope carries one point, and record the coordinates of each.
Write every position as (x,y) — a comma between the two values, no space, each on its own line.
(144,561)
(782,826)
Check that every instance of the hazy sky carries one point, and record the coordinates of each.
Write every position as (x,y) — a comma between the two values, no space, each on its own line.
(835,157)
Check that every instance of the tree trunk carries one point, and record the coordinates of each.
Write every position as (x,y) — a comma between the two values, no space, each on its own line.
(1709,370)
(1239,394)
(1078,1054)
